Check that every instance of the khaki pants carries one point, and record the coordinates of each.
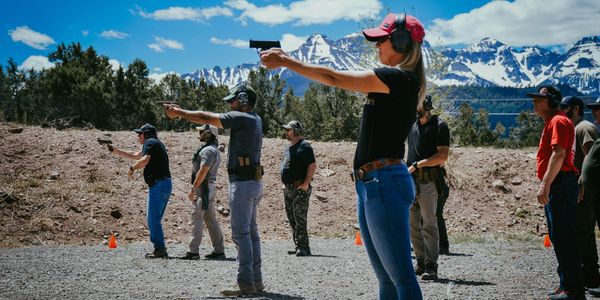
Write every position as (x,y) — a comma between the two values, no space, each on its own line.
(424,233)
(208,216)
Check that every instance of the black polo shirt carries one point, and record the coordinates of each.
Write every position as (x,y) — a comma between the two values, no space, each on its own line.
(387,118)
(296,159)
(423,140)
(158,166)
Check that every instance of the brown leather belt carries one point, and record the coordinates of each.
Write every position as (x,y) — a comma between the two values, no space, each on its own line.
(360,173)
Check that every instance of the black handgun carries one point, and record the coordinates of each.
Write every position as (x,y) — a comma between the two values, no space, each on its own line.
(166,102)
(264,45)
(104,142)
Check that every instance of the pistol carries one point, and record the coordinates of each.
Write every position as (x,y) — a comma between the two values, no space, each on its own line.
(104,142)
(264,45)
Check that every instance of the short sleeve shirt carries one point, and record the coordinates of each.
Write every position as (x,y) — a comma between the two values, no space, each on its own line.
(158,166)
(387,118)
(245,140)
(558,131)
(208,156)
(585,132)
(423,140)
(295,162)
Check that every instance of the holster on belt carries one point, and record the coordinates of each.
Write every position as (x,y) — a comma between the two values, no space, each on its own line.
(247,171)
(426,175)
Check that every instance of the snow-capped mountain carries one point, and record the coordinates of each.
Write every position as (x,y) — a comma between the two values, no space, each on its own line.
(486,63)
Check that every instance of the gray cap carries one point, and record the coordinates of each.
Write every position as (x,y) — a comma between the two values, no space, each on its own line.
(294,125)
(594,105)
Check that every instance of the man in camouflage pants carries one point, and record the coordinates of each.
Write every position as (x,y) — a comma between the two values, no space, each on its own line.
(297,169)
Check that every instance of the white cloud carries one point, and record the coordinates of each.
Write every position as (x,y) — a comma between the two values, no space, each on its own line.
(114,64)
(31,38)
(157,77)
(161,43)
(307,12)
(290,42)
(156,69)
(521,22)
(113,34)
(232,42)
(36,62)
(187,13)
(85,33)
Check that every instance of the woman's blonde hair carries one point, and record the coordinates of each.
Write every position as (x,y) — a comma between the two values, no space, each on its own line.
(414,62)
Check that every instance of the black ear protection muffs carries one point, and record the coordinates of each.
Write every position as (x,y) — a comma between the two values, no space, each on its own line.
(400,37)
(243,96)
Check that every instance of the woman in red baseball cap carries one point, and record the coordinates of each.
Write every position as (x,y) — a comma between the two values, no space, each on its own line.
(384,186)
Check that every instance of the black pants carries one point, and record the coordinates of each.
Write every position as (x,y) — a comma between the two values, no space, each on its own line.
(586,239)
(443,192)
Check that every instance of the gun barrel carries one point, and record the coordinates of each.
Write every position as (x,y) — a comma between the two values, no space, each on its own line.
(167,102)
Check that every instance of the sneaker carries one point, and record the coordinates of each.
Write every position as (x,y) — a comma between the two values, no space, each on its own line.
(190,256)
(260,287)
(237,291)
(565,296)
(158,253)
(594,291)
(555,291)
(214,255)
(420,269)
(303,252)
(430,272)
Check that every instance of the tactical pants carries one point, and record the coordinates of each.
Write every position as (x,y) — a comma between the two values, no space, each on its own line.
(443,192)
(424,233)
(296,208)
(207,216)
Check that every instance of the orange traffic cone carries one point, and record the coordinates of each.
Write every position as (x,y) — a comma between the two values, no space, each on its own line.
(357,239)
(547,242)
(112,242)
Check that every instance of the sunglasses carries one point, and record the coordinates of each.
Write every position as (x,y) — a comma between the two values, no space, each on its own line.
(382,39)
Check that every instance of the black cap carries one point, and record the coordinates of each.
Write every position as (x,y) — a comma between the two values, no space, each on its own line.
(239,88)
(570,101)
(549,92)
(147,128)
(594,105)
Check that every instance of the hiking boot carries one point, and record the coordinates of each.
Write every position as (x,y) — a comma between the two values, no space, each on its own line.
(214,255)
(260,287)
(291,252)
(158,253)
(303,252)
(238,291)
(430,272)
(420,269)
(190,256)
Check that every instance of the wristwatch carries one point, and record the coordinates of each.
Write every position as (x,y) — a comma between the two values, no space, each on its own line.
(414,165)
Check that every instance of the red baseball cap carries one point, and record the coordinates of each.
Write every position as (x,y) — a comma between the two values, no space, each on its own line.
(414,26)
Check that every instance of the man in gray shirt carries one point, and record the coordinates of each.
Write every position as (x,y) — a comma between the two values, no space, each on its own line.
(205,164)
(585,135)
(245,174)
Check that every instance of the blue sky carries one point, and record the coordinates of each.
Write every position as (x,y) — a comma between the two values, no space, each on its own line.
(183,36)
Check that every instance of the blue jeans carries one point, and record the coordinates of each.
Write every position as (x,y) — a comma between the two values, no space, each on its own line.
(561,217)
(244,197)
(384,200)
(158,197)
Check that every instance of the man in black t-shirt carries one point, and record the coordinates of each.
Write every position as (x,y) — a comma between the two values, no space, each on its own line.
(428,147)
(154,159)
(297,169)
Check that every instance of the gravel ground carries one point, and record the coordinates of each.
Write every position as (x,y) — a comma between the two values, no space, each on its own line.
(478,268)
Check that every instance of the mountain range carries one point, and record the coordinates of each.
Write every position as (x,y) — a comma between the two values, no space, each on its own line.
(486,63)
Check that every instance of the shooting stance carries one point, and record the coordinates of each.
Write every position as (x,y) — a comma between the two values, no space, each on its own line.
(154,159)
(205,164)
(245,174)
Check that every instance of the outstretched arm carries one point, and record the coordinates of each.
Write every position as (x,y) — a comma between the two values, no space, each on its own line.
(200,117)
(359,81)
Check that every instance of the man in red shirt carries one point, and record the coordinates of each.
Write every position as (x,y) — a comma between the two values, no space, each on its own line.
(558,190)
